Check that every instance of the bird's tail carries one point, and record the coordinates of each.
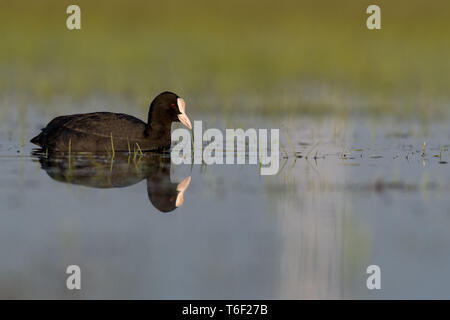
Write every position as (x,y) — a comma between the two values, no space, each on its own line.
(37,140)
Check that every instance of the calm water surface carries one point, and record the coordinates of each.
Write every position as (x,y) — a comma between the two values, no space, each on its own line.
(361,194)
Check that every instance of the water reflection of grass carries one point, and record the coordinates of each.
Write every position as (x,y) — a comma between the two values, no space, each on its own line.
(293,56)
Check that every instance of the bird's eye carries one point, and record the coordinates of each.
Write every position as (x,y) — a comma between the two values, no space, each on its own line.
(173,105)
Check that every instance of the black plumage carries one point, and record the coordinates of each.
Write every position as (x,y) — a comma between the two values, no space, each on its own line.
(103,131)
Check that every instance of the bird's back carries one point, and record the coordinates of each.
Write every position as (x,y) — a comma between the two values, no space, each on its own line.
(91,132)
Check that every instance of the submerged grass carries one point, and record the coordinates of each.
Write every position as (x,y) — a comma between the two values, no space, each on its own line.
(139,149)
(423,149)
(292,147)
(112,147)
(70,154)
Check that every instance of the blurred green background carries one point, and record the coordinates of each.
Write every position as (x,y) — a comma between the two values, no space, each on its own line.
(265,57)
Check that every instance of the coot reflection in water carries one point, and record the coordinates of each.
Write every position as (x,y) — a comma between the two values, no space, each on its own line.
(99,171)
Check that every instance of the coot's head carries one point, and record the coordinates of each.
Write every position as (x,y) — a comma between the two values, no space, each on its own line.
(167,107)
(166,196)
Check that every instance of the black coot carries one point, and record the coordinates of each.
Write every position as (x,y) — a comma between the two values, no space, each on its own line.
(102,131)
